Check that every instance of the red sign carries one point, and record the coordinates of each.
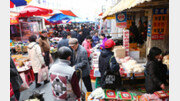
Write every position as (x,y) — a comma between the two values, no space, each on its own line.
(14,20)
(121,25)
(126,41)
(157,36)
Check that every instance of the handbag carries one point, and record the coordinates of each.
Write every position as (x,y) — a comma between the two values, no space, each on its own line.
(43,74)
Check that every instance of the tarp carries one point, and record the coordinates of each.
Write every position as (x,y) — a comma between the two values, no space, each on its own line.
(19,3)
(34,11)
(123,5)
(59,17)
(68,12)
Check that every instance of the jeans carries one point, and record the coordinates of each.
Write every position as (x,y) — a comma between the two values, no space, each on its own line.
(87,83)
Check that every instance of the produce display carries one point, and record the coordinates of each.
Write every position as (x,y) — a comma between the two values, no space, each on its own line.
(131,66)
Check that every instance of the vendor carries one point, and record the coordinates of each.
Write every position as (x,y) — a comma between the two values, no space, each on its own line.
(155,72)
(104,39)
(109,68)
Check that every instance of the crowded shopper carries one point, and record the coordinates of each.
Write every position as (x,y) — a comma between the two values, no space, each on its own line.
(155,72)
(36,58)
(104,39)
(64,41)
(64,81)
(95,38)
(74,33)
(80,61)
(79,37)
(45,46)
(87,45)
(15,79)
(109,68)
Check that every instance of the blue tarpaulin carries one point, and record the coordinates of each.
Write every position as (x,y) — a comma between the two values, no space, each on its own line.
(60,17)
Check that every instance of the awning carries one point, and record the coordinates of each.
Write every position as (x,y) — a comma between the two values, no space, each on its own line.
(106,12)
(68,12)
(34,11)
(123,5)
(19,3)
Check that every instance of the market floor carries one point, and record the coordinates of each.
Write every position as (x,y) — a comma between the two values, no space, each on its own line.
(46,89)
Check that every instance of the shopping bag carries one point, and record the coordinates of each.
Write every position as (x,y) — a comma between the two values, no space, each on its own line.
(25,85)
(43,74)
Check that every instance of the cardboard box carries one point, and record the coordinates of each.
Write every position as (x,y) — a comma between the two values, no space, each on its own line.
(119,52)
(134,54)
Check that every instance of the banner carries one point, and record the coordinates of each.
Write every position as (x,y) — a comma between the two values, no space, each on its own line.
(121,20)
(126,41)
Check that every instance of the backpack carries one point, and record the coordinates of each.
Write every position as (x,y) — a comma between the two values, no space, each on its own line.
(110,77)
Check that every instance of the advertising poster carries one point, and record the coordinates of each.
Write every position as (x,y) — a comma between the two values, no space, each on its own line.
(121,20)
(126,41)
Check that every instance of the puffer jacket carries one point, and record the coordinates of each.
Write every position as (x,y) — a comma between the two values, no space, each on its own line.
(155,75)
(87,46)
(35,56)
(64,82)
(104,64)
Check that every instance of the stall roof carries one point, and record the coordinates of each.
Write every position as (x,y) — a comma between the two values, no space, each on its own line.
(68,12)
(19,3)
(123,5)
(105,14)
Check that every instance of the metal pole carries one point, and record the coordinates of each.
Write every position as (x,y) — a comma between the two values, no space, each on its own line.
(20,30)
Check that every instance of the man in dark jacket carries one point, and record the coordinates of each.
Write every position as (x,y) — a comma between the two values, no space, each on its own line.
(74,33)
(79,37)
(108,64)
(15,79)
(80,61)
(64,41)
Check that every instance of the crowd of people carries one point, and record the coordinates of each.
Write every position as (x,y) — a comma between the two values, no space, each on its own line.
(74,54)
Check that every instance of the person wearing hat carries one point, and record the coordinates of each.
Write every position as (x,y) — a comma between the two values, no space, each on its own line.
(109,66)
(64,81)
(45,46)
(80,61)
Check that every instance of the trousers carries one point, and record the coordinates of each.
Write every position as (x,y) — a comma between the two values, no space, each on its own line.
(87,83)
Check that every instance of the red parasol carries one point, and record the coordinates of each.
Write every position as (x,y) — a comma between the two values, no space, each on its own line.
(68,12)
(34,11)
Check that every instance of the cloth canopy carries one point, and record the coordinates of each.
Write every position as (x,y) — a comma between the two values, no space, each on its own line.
(59,18)
(68,12)
(19,3)
(34,11)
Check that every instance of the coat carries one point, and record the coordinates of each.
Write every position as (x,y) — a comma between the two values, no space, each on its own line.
(80,61)
(155,75)
(95,40)
(103,43)
(44,44)
(15,78)
(104,64)
(87,46)
(61,68)
(63,42)
(80,39)
(35,56)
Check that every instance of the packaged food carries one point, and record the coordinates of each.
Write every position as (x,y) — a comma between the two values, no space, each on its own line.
(110,94)
(126,96)
(161,94)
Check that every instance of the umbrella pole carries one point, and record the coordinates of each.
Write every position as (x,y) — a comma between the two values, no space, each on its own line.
(20,30)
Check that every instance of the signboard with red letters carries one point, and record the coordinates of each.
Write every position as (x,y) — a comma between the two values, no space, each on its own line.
(121,20)
(126,41)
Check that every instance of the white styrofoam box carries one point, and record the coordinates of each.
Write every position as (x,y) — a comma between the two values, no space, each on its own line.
(134,54)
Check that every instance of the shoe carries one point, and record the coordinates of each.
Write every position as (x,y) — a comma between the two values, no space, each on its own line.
(38,85)
(46,81)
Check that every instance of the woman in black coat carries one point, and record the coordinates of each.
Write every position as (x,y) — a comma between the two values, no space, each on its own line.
(155,72)
(15,79)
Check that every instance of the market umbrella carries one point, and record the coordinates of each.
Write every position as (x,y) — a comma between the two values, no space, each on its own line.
(68,12)
(34,11)
(59,18)
(19,3)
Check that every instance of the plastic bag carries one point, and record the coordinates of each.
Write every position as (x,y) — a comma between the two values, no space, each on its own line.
(24,86)
(43,74)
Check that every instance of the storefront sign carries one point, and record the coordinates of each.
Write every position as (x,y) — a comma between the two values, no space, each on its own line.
(126,41)
(121,20)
